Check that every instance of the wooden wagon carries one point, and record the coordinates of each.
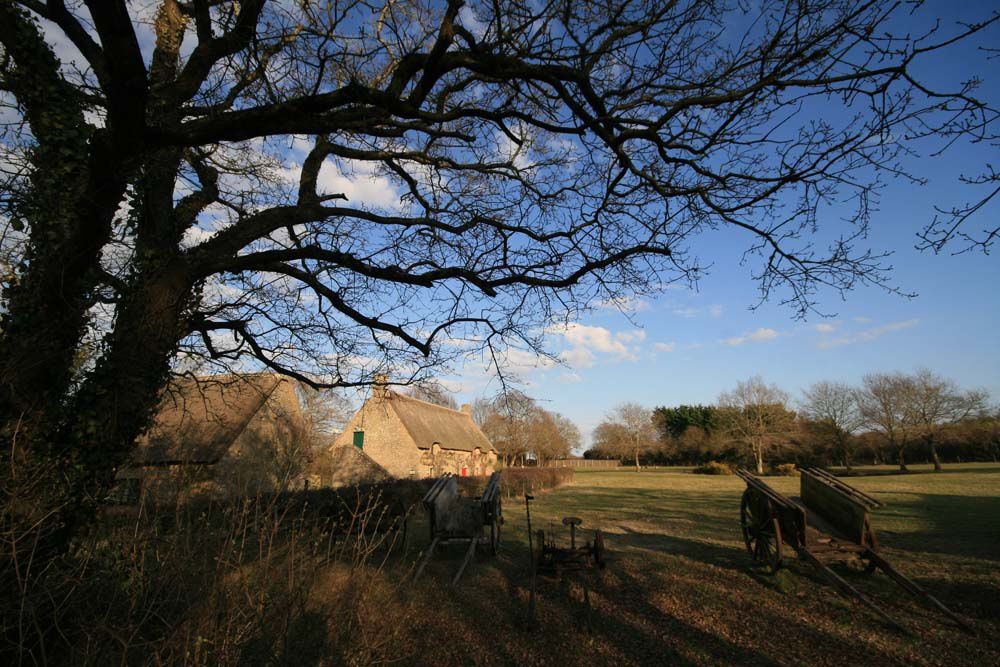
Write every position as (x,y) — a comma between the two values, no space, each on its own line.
(455,518)
(828,523)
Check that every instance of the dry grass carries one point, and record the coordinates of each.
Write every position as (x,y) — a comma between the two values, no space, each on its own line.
(679,590)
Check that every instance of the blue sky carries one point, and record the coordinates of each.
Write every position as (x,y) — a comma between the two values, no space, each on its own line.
(684,346)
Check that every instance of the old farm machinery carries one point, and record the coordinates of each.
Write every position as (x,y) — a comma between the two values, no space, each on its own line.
(455,518)
(550,559)
(828,523)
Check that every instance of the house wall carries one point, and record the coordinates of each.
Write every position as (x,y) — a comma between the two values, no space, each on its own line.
(387,441)
(434,462)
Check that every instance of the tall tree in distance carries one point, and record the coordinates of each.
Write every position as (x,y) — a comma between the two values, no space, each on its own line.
(627,430)
(196,182)
(757,415)
(884,405)
(833,409)
(934,401)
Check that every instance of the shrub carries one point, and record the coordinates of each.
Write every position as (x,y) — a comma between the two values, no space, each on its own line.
(784,470)
(713,468)
(519,481)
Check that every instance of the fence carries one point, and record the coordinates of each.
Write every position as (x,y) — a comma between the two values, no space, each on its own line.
(584,463)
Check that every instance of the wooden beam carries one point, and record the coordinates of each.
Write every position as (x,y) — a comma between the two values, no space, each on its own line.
(849,591)
(426,557)
(911,587)
(465,561)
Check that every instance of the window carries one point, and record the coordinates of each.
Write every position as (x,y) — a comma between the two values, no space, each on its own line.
(359,439)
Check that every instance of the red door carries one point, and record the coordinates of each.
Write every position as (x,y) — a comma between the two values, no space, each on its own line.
(465,471)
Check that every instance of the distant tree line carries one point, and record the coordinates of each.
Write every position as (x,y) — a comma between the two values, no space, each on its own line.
(889,418)
(523,432)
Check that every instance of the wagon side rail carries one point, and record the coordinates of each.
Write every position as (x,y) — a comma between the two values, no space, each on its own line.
(492,489)
(762,487)
(792,518)
(842,487)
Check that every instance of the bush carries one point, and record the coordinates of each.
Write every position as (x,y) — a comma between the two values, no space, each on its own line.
(713,468)
(519,481)
(784,470)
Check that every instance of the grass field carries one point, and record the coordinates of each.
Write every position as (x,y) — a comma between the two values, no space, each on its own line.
(681,589)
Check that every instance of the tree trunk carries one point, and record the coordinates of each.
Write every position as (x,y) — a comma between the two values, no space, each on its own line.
(114,405)
(934,454)
(637,467)
(76,183)
(901,457)
(758,455)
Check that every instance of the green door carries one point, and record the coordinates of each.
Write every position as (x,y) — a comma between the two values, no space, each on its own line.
(359,439)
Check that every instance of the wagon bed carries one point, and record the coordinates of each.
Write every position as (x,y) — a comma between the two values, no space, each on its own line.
(828,522)
(454,518)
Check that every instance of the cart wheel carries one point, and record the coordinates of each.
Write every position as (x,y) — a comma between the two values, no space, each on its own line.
(761,531)
(599,548)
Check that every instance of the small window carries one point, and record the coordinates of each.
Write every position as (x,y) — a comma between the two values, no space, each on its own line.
(359,439)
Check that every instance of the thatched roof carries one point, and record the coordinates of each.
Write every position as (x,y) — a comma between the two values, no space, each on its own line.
(428,423)
(199,419)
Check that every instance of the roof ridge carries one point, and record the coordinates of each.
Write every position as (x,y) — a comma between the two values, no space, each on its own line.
(433,405)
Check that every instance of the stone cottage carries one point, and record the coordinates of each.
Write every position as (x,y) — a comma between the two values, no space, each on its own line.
(219,435)
(408,437)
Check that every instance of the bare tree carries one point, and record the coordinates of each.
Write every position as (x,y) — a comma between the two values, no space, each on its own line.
(610,441)
(568,433)
(884,405)
(934,401)
(433,392)
(191,185)
(833,406)
(325,411)
(510,423)
(628,429)
(757,415)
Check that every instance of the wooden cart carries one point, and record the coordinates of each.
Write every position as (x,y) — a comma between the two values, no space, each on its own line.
(457,519)
(828,523)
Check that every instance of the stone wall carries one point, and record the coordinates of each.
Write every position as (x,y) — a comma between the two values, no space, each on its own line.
(436,461)
(386,439)
(388,443)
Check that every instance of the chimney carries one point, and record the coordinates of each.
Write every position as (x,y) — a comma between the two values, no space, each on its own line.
(467,408)
(380,387)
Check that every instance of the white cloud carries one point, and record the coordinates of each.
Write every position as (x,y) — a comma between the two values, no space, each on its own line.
(715,310)
(627,304)
(761,335)
(869,334)
(358,181)
(570,377)
(354,179)
(578,357)
(585,343)
(862,320)
(825,327)
(664,347)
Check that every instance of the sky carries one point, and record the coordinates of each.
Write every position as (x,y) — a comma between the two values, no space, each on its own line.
(687,346)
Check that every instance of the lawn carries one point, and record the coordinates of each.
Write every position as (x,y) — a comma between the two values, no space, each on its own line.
(681,590)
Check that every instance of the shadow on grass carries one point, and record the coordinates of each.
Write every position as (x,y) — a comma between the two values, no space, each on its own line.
(985,469)
(947,524)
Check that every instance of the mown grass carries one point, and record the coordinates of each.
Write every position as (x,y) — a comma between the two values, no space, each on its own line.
(680,588)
